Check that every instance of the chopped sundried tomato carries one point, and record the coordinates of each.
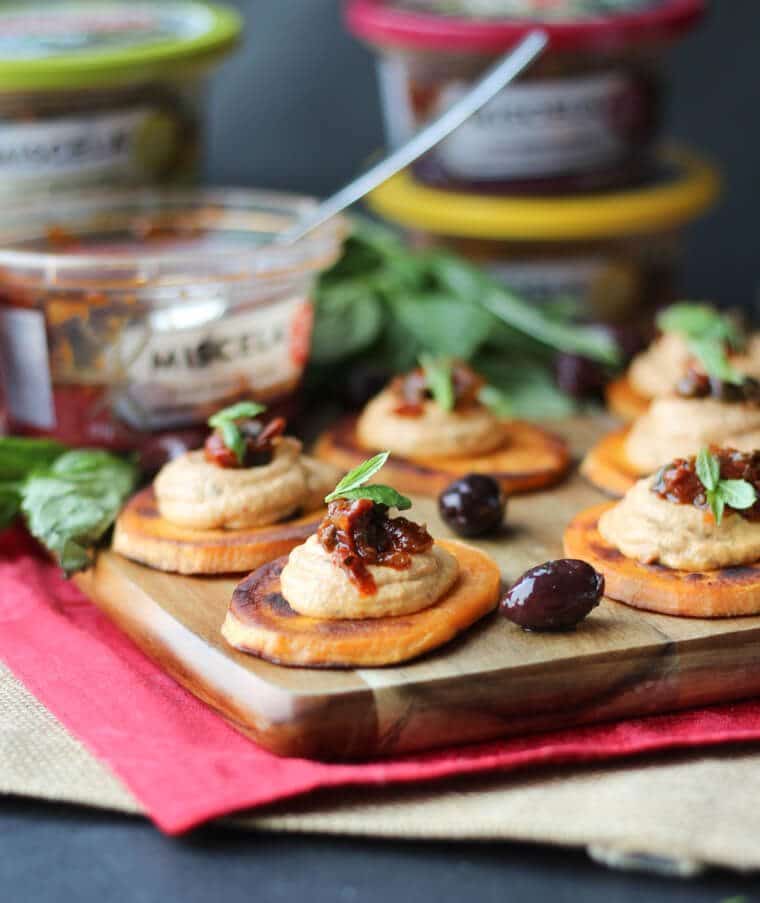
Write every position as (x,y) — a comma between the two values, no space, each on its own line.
(678,481)
(258,437)
(359,533)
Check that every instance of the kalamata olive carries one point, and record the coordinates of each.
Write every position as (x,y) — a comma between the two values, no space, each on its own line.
(579,376)
(555,595)
(473,505)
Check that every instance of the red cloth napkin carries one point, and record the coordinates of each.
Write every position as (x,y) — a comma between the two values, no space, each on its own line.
(185,764)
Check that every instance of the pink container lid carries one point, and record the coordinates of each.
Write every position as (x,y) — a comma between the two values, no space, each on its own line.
(380,22)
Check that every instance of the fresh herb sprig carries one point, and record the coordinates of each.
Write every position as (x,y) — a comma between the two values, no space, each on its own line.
(352,486)
(383,304)
(737,494)
(68,498)
(439,379)
(225,422)
(709,335)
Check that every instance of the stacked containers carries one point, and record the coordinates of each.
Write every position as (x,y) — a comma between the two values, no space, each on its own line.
(107,93)
(556,185)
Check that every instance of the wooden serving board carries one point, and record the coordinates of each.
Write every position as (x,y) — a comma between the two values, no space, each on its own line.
(496,680)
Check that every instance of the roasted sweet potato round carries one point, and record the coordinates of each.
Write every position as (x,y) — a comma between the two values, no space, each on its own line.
(624,401)
(261,622)
(607,467)
(532,458)
(723,593)
(143,535)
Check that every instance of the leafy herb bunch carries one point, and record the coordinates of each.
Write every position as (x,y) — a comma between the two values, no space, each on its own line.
(384,304)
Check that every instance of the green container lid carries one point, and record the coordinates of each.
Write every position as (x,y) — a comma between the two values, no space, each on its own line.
(102,43)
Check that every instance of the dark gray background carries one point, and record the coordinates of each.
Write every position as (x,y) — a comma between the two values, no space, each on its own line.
(297,108)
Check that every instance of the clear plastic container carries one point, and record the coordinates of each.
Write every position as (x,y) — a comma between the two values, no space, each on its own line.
(105,93)
(582,117)
(613,256)
(129,313)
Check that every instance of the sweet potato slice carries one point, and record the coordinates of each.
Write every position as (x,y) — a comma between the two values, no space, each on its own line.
(624,401)
(532,458)
(723,593)
(607,467)
(261,622)
(143,535)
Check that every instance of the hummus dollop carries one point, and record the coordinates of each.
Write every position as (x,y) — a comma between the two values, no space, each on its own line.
(195,493)
(679,427)
(314,585)
(651,529)
(433,432)
(656,371)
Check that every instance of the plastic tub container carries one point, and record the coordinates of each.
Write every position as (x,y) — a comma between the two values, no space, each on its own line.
(582,117)
(613,255)
(128,313)
(105,93)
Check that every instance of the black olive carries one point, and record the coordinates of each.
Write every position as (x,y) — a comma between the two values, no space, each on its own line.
(555,595)
(473,505)
(579,376)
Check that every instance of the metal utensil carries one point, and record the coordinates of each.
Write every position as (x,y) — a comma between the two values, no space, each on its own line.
(500,74)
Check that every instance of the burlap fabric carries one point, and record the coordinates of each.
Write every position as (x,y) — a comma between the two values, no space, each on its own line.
(699,809)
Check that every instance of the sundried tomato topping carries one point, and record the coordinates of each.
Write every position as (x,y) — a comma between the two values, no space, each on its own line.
(258,437)
(695,383)
(412,390)
(678,481)
(359,533)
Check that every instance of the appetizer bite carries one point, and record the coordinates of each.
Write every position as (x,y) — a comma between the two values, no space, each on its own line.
(684,541)
(685,330)
(367,589)
(437,423)
(248,496)
(712,404)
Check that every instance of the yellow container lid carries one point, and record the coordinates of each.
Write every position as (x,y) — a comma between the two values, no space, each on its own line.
(688,186)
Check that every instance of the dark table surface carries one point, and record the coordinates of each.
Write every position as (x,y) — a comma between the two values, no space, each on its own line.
(56,853)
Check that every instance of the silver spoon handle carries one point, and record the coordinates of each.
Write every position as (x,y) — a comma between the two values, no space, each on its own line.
(499,75)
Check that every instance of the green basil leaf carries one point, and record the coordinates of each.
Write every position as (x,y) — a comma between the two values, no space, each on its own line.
(711,353)
(739,494)
(358,476)
(521,386)
(10,502)
(71,505)
(442,324)
(588,341)
(348,317)
(232,438)
(688,318)
(440,380)
(708,469)
(20,456)
(380,495)
(717,505)
(236,412)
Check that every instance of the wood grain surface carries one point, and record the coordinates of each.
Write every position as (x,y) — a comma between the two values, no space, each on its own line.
(495,680)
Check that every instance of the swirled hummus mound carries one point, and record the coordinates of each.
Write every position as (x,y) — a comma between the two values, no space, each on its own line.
(656,371)
(316,586)
(432,432)
(653,530)
(195,493)
(679,427)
